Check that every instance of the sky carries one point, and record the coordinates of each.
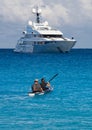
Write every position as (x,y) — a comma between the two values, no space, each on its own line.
(73,18)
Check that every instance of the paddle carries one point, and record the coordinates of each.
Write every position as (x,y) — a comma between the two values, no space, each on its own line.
(53,77)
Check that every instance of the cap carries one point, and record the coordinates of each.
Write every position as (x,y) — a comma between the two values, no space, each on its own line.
(36,80)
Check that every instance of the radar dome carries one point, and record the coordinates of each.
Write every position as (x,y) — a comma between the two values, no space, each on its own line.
(46,23)
(29,22)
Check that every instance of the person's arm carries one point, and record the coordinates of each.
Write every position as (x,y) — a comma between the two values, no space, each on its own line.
(48,84)
(41,88)
(34,88)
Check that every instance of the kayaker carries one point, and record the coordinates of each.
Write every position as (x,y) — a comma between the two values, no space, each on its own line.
(36,87)
(44,85)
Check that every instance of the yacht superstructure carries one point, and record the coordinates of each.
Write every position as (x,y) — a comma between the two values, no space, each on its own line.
(40,37)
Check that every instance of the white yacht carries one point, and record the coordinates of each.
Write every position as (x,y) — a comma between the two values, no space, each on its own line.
(39,37)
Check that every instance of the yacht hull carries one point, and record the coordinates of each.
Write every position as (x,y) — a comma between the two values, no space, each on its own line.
(61,46)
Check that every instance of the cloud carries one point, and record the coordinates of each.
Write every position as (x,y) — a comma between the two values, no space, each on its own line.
(62,12)
(56,13)
(16,10)
(86,6)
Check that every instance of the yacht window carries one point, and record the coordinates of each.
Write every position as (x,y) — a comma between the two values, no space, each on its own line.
(27,35)
(47,42)
(35,35)
(50,36)
(39,43)
(43,28)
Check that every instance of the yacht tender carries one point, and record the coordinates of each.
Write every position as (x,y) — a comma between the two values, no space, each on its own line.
(40,37)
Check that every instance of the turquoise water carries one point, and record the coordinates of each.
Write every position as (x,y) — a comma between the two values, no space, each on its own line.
(68,107)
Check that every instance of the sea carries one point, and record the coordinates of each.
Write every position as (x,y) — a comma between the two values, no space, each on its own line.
(67,107)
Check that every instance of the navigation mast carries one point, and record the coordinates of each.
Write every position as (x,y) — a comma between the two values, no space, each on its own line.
(37,11)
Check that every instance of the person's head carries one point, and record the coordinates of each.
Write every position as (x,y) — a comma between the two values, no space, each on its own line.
(42,80)
(36,81)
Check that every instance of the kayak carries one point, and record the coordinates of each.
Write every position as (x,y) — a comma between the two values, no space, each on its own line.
(32,94)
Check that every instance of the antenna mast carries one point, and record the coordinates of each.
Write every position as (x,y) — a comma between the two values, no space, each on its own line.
(37,11)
